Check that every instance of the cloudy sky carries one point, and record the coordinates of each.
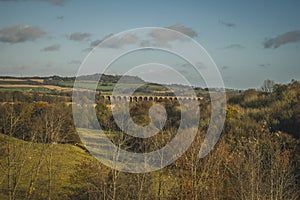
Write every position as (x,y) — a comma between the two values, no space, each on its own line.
(250,41)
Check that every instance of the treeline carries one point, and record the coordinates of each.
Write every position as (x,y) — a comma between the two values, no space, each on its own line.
(56,80)
(54,96)
(38,122)
(278,110)
(105,78)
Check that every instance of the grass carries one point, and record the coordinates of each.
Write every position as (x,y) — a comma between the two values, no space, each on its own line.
(66,158)
(27,155)
(26,89)
(65,162)
(109,87)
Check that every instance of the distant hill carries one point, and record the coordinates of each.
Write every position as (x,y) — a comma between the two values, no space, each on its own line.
(111,78)
(106,84)
(55,78)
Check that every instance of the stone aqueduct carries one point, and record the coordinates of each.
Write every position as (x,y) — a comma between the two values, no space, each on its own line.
(137,98)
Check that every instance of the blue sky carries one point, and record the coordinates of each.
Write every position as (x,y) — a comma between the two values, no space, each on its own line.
(250,41)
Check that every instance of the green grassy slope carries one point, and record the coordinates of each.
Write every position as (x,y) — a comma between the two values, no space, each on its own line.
(26,157)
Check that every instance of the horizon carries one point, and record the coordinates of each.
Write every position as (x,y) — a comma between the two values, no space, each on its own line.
(146,82)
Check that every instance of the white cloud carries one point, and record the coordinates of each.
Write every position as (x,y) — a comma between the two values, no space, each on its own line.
(20,33)
(79,36)
(288,37)
(54,47)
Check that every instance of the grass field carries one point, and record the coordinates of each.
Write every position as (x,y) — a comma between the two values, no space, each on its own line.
(26,157)
(41,89)
(26,89)
(109,87)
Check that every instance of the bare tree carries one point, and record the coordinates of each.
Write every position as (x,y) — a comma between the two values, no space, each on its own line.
(268,86)
(14,164)
(263,169)
(17,154)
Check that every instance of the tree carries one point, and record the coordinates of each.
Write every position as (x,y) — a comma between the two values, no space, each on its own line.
(90,180)
(263,168)
(16,154)
(268,86)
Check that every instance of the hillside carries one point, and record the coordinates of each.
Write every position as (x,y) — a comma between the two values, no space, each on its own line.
(32,164)
(106,85)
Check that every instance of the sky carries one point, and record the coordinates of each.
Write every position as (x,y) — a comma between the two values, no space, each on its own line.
(249,41)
